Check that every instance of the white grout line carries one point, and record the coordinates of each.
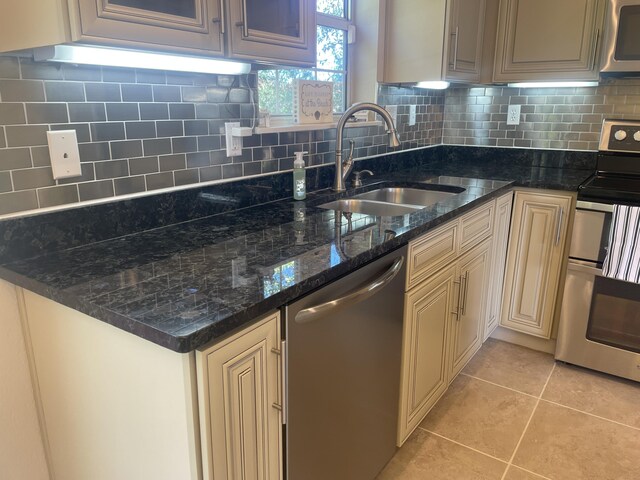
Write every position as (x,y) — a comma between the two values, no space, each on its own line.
(515,450)
(590,414)
(462,444)
(498,385)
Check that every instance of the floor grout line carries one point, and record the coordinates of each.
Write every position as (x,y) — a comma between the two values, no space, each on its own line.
(515,450)
(590,414)
(528,471)
(462,445)
(498,385)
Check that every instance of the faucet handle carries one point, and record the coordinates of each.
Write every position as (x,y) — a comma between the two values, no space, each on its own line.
(357,180)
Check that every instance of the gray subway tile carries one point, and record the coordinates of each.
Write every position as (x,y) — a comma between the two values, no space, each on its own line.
(88,175)
(91,152)
(107,131)
(142,165)
(196,127)
(182,111)
(21,91)
(157,146)
(15,158)
(169,128)
(102,92)
(32,178)
(40,156)
(172,162)
(82,130)
(122,111)
(194,94)
(156,181)
(9,67)
(111,169)
(184,144)
(200,159)
(154,111)
(26,136)
(5,182)
(96,190)
(166,93)
(136,93)
(126,149)
(239,95)
(126,186)
(118,75)
(59,195)
(64,91)
(209,174)
(12,114)
(87,112)
(18,201)
(139,130)
(151,76)
(186,177)
(209,142)
(232,170)
(217,95)
(219,157)
(251,168)
(3,142)
(83,73)
(208,110)
(40,70)
(179,78)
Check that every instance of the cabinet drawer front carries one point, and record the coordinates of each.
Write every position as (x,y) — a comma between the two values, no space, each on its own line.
(429,254)
(476,226)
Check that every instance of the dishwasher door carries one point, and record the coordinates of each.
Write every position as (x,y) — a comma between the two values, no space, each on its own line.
(343,374)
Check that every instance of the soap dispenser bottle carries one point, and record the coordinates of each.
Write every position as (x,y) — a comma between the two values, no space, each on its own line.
(299,180)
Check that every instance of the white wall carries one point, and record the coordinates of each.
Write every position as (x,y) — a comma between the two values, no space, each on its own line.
(21,450)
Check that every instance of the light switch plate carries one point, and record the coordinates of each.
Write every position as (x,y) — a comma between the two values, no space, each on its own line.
(513,115)
(63,150)
(234,144)
(412,115)
(393,112)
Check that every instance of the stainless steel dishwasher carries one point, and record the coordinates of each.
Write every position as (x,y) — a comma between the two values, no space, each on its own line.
(343,374)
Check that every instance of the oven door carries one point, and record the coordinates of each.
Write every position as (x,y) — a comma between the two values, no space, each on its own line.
(600,323)
(622,44)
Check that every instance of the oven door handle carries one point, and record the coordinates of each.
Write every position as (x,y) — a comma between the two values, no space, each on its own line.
(579,267)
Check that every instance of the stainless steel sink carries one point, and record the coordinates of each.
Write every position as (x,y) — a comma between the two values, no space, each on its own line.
(369,207)
(406,196)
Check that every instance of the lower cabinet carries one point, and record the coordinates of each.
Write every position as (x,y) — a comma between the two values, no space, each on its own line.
(240,398)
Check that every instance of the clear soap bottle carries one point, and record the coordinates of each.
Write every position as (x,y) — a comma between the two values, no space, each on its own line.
(299,180)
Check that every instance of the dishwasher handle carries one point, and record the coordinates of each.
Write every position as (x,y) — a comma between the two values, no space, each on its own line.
(314,313)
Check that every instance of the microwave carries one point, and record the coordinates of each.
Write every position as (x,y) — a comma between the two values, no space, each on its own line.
(621,53)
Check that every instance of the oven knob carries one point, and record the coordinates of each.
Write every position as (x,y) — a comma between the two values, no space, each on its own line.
(620,135)
(636,136)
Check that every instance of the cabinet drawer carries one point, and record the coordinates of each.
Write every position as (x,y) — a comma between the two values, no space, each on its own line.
(432,252)
(476,226)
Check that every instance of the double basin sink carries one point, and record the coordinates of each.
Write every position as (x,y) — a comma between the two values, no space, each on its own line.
(392,201)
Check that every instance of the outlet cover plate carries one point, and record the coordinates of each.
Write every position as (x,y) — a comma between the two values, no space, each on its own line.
(393,112)
(412,115)
(513,115)
(63,150)
(234,144)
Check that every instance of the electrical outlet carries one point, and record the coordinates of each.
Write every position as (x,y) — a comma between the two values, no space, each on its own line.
(393,112)
(513,115)
(412,115)
(234,144)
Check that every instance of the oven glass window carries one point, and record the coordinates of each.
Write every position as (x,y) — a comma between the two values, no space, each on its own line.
(615,314)
(628,41)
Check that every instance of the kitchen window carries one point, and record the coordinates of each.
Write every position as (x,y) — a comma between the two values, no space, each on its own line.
(275,90)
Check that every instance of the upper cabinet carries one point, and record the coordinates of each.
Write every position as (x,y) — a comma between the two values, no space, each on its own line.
(278,31)
(542,40)
(182,24)
(427,40)
(273,30)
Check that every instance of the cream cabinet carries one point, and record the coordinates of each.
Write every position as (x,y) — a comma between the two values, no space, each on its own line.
(428,40)
(445,307)
(498,261)
(548,40)
(534,261)
(240,399)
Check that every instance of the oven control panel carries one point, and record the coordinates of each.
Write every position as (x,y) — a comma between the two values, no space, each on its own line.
(620,136)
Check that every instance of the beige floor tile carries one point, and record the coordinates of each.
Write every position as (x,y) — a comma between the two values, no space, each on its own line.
(512,366)
(482,416)
(426,456)
(564,444)
(596,393)
(516,473)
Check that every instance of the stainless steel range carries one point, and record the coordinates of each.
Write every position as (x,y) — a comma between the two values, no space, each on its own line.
(600,316)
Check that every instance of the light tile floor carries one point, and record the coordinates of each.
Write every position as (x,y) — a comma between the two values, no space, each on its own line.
(515,414)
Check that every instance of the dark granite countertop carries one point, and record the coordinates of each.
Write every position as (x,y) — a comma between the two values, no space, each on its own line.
(182,285)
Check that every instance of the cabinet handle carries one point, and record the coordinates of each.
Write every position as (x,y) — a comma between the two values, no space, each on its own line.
(559,226)
(244,22)
(457,312)
(595,49)
(277,406)
(455,50)
(465,280)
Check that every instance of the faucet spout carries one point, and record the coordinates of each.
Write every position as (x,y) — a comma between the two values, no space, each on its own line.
(342,168)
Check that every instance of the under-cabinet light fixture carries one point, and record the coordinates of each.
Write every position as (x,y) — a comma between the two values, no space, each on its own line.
(552,84)
(120,57)
(435,85)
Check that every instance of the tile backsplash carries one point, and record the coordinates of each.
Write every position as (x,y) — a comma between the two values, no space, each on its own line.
(142,130)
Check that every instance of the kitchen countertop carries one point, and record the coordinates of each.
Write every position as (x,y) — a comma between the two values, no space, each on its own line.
(184,285)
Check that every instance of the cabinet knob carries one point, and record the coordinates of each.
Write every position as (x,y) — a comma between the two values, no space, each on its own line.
(216,20)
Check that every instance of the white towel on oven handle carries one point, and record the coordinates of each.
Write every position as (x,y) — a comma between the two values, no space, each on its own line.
(623,258)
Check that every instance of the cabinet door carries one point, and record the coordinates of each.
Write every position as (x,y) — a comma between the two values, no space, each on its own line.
(427,314)
(466,31)
(534,261)
(498,262)
(167,24)
(280,31)
(240,405)
(467,327)
(548,40)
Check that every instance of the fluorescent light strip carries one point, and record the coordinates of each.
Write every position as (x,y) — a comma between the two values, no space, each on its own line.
(119,57)
(435,85)
(552,84)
